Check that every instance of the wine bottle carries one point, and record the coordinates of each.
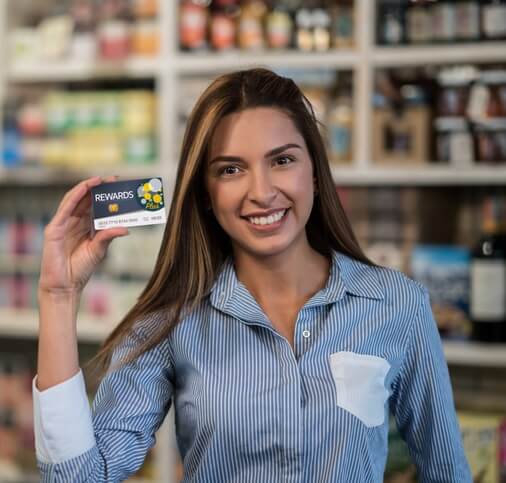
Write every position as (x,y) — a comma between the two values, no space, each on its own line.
(488,277)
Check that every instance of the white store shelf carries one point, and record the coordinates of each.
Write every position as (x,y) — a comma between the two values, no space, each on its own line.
(39,175)
(21,263)
(481,52)
(24,323)
(424,175)
(475,354)
(357,174)
(212,61)
(68,69)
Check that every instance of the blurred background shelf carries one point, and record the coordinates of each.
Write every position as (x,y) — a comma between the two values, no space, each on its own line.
(24,323)
(419,176)
(38,175)
(465,353)
(212,62)
(478,53)
(77,70)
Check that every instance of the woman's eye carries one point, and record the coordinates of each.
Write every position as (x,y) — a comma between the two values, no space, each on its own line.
(228,170)
(283,160)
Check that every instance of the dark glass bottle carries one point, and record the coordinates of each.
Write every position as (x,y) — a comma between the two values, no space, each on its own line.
(488,282)
(391,22)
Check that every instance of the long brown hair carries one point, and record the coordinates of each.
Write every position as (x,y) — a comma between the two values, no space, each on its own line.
(194,245)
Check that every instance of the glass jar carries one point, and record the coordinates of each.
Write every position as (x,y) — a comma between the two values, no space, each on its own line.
(223,31)
(342,25)
(452,98)
(493,18)
(279,28)
(467,19)
(495,81)
(304,30)
(419,23)
(491,141)
(321,29)
(250,27)
(444,21)
(454,141)
(193,18)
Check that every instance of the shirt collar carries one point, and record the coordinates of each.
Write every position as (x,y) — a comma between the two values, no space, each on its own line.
(347,275)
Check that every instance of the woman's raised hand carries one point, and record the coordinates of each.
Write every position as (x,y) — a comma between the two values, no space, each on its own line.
(69,254)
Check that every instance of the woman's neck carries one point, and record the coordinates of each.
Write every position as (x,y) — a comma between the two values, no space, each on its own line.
(287,278)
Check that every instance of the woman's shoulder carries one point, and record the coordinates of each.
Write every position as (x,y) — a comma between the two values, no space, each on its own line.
(395,284)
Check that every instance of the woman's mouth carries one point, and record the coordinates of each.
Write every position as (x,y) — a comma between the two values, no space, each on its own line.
(267,223)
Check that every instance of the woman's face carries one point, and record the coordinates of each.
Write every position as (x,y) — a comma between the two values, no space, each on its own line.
(260,181)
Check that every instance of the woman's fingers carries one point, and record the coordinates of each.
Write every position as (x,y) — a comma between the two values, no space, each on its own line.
(84,204)
(72,198)
(103,238)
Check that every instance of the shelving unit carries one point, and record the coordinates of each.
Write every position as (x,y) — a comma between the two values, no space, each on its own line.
(168,72)
(24,324)
(172,65)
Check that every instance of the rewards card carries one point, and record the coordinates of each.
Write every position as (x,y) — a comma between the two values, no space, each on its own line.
(129,203)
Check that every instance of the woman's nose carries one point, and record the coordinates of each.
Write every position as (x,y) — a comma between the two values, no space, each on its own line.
(261,189)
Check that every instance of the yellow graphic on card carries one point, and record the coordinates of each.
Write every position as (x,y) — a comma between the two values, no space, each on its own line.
(150,195)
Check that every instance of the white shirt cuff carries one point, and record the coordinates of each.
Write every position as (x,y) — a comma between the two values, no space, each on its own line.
(63,426)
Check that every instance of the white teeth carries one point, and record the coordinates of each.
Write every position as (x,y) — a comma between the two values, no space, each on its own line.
(267,220)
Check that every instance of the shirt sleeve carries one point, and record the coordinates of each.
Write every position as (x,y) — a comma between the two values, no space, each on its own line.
(129,407)
(423,407)
(54,411)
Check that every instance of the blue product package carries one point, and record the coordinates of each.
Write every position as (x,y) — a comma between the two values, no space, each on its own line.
(445,271)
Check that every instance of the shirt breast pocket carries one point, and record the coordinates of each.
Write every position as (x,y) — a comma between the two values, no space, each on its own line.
(360,385)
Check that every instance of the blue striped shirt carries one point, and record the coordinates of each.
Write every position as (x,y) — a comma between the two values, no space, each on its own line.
(249,408)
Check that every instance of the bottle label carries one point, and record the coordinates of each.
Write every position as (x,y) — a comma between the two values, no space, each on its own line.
(494,18)
(488,290)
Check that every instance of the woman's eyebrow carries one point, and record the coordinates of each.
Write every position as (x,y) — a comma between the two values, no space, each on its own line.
(268,154)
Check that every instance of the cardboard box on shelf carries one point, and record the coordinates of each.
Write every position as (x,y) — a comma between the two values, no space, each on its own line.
(480,435)
(401,137)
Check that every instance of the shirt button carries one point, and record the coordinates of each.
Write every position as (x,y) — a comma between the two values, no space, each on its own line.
(306,333)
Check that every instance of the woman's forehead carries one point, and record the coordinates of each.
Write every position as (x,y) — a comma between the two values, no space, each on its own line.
(253,129)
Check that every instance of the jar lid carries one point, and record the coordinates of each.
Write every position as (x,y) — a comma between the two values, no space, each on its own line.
(494,76)
(451,123)
(492,124)
(321,18)
(304,18)
(457,76)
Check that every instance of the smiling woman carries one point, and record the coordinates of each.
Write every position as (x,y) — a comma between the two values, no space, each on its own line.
(260,183)
(281,346)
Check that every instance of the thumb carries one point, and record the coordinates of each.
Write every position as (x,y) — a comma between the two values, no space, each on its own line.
(103,238)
